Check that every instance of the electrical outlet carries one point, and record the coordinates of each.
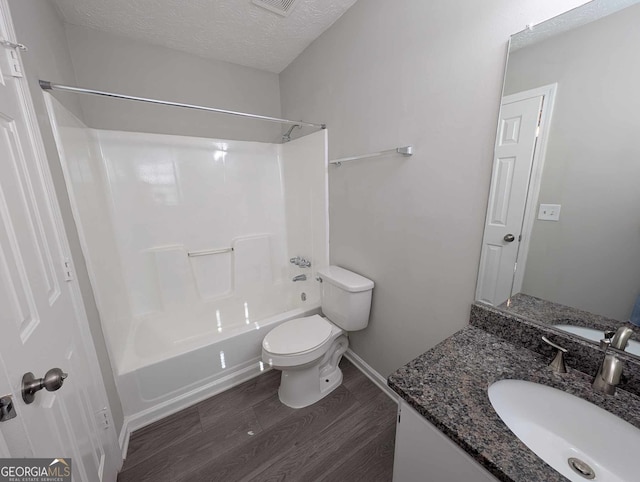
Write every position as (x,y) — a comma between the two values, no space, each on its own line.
(549,212)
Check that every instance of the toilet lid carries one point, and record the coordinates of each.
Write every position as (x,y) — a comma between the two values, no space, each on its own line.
(297,336)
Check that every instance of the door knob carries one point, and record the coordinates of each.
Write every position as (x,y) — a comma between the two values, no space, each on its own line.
(52,381)
(509,238)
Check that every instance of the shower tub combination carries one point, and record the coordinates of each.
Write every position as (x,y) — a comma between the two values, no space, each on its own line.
(187,243)
(175,361)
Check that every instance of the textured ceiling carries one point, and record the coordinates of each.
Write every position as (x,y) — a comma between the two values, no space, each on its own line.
(231,30)
(567,21)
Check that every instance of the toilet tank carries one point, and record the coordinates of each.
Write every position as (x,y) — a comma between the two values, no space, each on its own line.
(346,297)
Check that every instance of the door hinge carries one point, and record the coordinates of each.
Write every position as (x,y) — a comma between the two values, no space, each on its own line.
(539,119)
(13,57)
(102,417)
(67,266)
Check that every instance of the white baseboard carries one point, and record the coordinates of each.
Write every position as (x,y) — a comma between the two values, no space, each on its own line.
(146,417)
(371,374)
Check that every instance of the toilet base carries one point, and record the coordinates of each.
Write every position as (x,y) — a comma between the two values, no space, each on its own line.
(305,385)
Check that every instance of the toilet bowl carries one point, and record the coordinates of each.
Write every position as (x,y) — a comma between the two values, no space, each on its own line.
(308,350)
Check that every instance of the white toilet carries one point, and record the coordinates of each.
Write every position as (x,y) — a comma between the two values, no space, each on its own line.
(308,349)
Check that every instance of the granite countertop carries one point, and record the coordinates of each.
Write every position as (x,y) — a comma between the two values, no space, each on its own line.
(448,386)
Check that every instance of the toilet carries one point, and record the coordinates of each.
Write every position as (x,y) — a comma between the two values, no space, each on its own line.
(307,350)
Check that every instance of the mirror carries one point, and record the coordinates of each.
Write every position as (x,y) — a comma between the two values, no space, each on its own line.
(563,222)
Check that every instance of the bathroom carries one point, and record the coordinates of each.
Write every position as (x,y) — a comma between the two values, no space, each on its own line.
(380,75)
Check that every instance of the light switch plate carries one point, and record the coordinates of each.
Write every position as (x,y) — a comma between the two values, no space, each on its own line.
(549,212)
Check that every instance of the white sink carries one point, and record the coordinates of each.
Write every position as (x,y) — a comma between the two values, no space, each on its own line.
(558,427)
(596,335)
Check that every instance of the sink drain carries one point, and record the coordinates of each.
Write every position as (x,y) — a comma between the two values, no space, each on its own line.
(581,468)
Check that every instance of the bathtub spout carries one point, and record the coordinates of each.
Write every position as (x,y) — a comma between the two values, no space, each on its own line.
(300,277)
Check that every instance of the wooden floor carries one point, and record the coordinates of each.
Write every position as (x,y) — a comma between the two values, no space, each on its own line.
(246,434)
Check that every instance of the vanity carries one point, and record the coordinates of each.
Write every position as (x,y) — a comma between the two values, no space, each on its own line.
(560,259)
(448,429)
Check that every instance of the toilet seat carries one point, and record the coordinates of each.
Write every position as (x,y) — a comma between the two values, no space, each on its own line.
(298,336)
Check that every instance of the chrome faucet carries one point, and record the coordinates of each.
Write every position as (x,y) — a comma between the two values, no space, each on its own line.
(620,339)
(300,277)
(609,373)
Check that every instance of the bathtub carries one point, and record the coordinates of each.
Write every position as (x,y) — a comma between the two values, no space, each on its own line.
(175,360)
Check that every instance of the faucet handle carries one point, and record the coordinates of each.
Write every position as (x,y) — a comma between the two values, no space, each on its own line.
(557,365)
(605,342)
(557,347)
(304,263)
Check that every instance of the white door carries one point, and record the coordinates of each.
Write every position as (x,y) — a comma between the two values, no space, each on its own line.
(42,322)
(514,153)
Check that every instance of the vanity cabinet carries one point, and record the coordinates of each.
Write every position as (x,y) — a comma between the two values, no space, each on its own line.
(424,454)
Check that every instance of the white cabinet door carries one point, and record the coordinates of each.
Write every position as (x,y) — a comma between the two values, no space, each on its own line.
(41,319)
(424,454)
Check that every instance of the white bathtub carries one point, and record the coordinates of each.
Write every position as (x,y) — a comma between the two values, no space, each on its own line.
(173,361)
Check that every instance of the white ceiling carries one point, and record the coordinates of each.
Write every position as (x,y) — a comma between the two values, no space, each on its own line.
(231,30)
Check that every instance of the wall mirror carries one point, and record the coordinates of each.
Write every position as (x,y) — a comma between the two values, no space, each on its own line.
(563,221)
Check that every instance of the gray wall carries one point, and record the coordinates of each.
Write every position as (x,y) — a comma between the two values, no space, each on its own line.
(38,26)
(425,73)
(590,259)
(106,62)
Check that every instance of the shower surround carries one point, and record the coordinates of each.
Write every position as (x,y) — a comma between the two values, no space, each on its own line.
(187,242)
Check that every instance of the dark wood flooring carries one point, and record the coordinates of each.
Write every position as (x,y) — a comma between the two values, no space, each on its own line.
(246,434)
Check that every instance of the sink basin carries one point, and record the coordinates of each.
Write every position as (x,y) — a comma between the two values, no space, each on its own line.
(596,335)
(566,431)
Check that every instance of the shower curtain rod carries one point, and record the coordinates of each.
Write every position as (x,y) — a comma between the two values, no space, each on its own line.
(46,85)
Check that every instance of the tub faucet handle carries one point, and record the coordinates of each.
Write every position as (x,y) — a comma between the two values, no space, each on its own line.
(300,262)
(304,263)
